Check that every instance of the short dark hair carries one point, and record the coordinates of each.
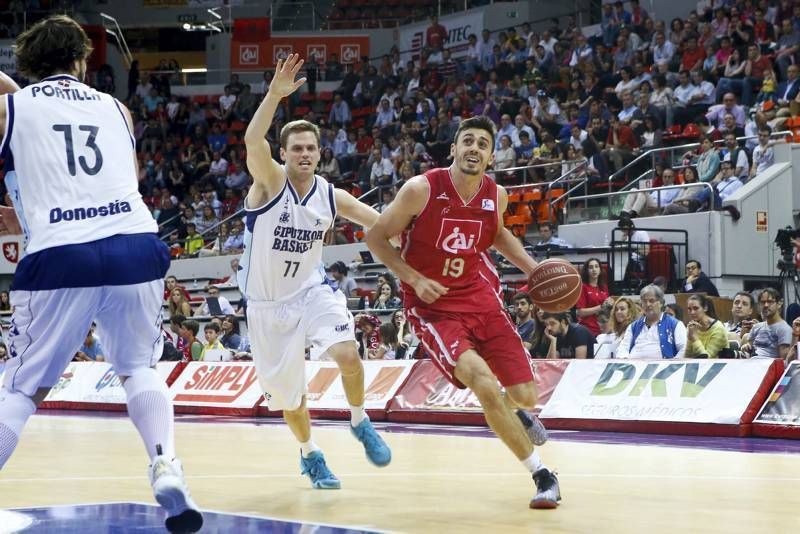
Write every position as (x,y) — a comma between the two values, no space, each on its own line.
(339,267)
(560,316)
(212,326)
(699,266)
(191,325)
(522,295)
(748,296)
(479,122)
(706,303)
(50,46)
(177,319)
(771,291)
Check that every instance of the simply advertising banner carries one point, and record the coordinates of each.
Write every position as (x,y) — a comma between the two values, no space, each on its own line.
(459,28)
(686,391)
(783,405)
(226,385)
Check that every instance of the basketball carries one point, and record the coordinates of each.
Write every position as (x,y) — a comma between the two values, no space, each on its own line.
(555,285)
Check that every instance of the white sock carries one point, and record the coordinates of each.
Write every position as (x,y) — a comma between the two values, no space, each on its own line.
(308,447)
(357,414)
(151,412)
(533,463)
(15,409)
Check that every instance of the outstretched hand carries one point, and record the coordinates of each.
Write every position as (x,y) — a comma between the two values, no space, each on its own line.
(284,83)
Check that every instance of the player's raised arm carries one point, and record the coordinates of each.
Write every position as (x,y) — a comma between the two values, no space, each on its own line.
(7,85)
(409,202)
(505,242)
(9,224)
(267,174)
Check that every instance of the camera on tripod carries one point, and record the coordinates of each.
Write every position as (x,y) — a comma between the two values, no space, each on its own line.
(783,240)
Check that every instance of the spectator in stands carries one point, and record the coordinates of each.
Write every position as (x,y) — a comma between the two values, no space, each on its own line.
(685,202)
(771,337)
(505,157)
(367,335)
(523,316)
(705,334)
(346,285)
(548,238)
(654,334)
(637,204)
(724,185)
(594,293)
(387,298)
(435,34)
(404,333)
(736,155)
(5,301)
(389,346)
(696,280)
(788,46)
(741,312)
(707,163)
(235,242)
(237,177)
(763,154)
(178,304)
(170,283)
(194,241)
(91,350)
(213,351)
(623,312)
(568,340)
(716,114)
(620,144)
(175,335)
(340,112)
(226,103)
(245,105)
(603,341)
(214,304)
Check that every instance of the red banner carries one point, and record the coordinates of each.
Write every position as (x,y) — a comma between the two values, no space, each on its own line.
(264,54)
(427,391)
(251,30)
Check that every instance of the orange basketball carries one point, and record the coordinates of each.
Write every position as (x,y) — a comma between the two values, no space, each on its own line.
(555,285)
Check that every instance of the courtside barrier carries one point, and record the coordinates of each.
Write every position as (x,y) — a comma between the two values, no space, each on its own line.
(779,417)
(326,396)
(94,386)
(428,397)
(220,388)
(698,397)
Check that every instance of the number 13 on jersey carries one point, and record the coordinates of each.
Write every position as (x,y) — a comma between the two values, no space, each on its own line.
(453,267)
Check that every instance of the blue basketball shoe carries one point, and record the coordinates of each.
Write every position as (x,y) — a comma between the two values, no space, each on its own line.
(377,451)
(317,470)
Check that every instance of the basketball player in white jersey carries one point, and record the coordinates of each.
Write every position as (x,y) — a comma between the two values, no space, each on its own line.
(291,302)
(91,250)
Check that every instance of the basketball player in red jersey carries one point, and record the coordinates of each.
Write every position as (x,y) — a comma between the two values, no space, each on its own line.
(448,218)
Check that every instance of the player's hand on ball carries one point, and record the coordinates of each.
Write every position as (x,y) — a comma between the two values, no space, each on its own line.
(429,290)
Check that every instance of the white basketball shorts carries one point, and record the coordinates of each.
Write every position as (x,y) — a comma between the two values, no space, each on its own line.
(280,332)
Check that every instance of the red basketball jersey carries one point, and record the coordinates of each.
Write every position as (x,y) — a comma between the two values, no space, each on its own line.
(447,242)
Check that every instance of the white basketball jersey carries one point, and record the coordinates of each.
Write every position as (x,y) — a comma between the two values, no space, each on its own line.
(72,154)
(283,243)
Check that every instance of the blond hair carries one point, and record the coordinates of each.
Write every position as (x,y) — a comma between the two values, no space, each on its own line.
(633,314)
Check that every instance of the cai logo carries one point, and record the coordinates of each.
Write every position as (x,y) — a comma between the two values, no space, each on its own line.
(350,53)
(280,52)
(458,236)
(248,54)
(317,53)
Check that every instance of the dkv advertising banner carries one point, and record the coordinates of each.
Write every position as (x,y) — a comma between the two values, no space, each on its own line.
(217,385)
(665,390)
(783,405)
(382,379)
(95,383)
(459,28)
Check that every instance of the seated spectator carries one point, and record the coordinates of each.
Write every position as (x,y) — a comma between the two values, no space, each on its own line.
(213,351)
(548,239)
(505,157)
(705,334)
(189,333)
(404,334)
(523,316)
(568,340)
(328,166)
(624,312)
(175,336)
(229,334)
(170,283)
(387,298)
(389,345)
(674,310)
(655,334)
(696,280)
(716,113)
(790,357)
(741,312)
(91,350)
(235,242)
(763,154)
(604,341)
(346,285)
(214,305)
(685,202)
(637,204)
(594,294)
(771,337)
(178,304)
(620,144)
(237,177)
(367,335)
(725,184)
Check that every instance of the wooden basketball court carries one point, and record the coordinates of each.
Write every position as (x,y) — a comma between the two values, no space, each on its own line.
(436,483)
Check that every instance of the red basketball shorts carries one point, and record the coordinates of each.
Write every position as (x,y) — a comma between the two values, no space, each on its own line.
(447,335)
